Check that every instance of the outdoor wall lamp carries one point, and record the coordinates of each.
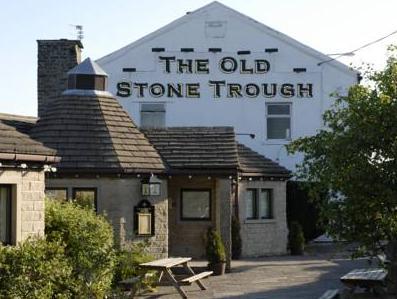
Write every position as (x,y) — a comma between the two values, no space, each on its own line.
(152,186)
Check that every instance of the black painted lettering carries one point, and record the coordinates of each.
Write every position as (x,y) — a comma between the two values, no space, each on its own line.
(167,60)
(252,90)
(228,65)
(140,89)
(269,90)
(124,89)
(174,90)
(216,86)
(287,90)
(244,69)
(305,90)
(202,66)
(262,66)
(156,90)
(192,90)
(234,90)
(185,67)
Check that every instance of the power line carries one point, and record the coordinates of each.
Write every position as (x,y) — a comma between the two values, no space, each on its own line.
(359,48)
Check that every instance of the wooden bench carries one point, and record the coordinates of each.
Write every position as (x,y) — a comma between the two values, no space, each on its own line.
(191,279)
(370,279)
(330,294)
(164,266)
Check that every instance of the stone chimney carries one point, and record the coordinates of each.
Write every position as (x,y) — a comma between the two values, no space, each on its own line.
(55,59)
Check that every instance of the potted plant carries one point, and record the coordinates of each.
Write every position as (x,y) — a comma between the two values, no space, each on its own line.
(296,239)
(216,254)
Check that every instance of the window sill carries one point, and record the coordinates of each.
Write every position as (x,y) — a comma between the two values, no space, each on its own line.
(259,221)
(277,141)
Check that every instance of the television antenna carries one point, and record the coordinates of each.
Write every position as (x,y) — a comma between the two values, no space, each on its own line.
(79,31)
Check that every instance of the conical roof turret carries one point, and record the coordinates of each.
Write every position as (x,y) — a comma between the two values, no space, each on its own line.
(90,130)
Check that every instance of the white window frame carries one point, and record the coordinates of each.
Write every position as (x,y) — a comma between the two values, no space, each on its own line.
(256,208)
(278,116)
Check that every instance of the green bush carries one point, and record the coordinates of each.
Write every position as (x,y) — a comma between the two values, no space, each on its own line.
(215,249)
(34,269)
(88,241)
(296,239)
(236,238)
(127,266)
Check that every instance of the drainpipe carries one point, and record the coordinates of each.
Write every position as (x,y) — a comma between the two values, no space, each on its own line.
(236,204)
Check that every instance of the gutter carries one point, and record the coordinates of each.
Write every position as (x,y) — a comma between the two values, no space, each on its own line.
(31,158)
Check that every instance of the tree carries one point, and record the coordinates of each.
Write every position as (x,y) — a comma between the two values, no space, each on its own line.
(354,157)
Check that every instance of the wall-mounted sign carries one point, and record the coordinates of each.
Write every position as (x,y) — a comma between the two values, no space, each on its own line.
(182,78)
(144,218)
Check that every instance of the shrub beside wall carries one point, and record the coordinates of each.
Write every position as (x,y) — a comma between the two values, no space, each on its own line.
(35,269)
(127,266)
(88,240)
(76,260)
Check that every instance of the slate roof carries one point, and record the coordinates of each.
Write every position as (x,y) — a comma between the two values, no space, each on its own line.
(21,123)
(252,163)
(87,67)
(93,134)
(14,141)
(187,149)
(210,150)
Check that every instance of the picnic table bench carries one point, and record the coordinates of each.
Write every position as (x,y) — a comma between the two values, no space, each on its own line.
(370,278)
(164,267)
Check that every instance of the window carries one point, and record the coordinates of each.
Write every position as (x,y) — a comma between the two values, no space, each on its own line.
(258,204)
(86,197)
(5,214)
(196,204)
(153,115)
(250,203)
(60,194)
(278,121)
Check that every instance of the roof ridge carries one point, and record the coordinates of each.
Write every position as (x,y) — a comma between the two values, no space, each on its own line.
(8,116)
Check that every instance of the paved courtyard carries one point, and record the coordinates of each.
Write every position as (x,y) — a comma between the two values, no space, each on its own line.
(303,277)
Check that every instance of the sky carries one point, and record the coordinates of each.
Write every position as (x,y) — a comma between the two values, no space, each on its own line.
(336,26)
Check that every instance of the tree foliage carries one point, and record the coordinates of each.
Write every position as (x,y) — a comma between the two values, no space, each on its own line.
(354,157)
(88,240)
(34,269)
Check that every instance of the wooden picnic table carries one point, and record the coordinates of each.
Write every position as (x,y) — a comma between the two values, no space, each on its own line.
(165,265)
(370,278)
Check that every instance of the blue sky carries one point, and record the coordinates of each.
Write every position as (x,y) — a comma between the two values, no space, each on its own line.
(328,26)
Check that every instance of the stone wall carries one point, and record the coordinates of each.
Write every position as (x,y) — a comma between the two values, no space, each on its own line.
(116,199)
(27,202)
(55,59)
(264,236)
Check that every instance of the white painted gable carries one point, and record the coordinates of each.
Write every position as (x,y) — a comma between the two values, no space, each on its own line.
(218,26)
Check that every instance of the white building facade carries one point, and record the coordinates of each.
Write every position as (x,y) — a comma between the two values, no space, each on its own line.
(217,67)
